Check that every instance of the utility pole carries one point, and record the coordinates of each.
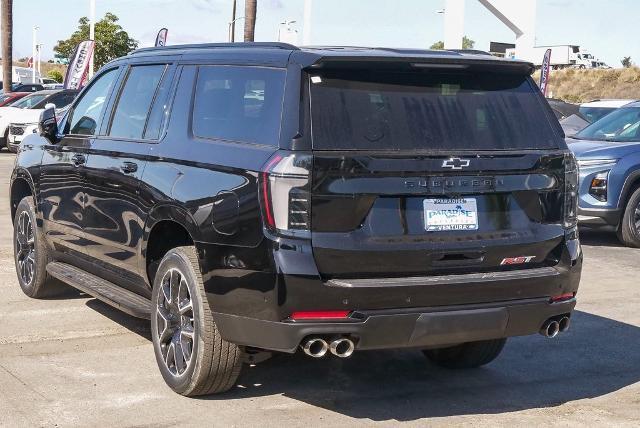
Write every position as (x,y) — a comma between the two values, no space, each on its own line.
(7,44)
(306,24)
(34,53)
(39,57)
(92,33)
(250,10)
(232,29)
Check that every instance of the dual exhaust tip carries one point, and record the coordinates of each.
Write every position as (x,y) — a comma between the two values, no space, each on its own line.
(553,326)
(317,347)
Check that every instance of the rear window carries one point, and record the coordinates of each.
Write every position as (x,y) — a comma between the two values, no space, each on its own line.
(239,104)
(427,111)
(594,114)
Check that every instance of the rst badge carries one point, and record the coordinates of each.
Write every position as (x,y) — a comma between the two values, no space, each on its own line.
(516,260)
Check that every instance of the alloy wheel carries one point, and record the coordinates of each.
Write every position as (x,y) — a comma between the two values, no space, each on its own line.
(25,248)
(174,316)
(636,218)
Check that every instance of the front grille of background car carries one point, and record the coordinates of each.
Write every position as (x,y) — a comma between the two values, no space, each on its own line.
(16,130)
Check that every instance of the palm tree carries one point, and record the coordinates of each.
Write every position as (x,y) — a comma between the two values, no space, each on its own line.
(7,43)
(250,8)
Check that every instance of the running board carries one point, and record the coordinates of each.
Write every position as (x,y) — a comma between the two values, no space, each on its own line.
(110,293)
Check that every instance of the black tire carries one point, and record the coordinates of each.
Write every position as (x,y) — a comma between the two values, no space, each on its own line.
(31,257)
(4,141)
(213,364)
(467,355)
(629,231)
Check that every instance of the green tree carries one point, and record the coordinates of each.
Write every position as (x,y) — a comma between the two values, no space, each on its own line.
(111,40)
(626,62)
(56,75)
(467,43)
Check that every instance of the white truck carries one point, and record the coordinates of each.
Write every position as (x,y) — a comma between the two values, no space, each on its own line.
(23,75)
(562,56)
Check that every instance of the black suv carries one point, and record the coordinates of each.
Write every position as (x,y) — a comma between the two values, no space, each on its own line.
(261,197)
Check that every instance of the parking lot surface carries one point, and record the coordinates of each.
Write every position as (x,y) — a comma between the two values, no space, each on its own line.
(74,361)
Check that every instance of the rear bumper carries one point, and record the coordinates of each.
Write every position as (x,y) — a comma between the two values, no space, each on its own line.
(415,327)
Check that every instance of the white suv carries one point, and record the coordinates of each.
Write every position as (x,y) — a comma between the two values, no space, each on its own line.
(597,109)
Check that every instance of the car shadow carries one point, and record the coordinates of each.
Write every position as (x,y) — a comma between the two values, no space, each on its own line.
(135,325)
(595,357)
(599,238)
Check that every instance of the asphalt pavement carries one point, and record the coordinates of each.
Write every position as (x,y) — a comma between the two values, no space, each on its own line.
(74,361)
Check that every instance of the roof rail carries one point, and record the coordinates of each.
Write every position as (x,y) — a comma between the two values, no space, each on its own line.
(470,51)
(266,45)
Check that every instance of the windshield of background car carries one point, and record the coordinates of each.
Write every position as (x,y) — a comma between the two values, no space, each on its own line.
(593,114)
(621,125)
(29,101)
(389,110)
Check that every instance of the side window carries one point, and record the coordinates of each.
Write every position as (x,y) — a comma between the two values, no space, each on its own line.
(159,109)
(133,106)
(87,114)
(239,104)
(60,100)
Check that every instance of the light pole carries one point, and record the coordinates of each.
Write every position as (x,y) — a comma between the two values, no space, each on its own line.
(92,33)
(306,23)
(33,53)
(288,29)
(39,55)
(232,27)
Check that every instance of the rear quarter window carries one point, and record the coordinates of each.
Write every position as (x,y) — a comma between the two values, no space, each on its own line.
(369,110)
(238,104)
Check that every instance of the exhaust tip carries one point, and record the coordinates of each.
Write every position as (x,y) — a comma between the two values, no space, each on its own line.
(342,348)
(550,329)
(316,347)
(564,324)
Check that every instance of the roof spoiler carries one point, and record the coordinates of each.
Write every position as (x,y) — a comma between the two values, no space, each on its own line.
(420,63)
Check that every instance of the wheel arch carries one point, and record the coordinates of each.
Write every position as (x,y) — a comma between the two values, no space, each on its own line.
(21,187)
(631,183)
(166,227)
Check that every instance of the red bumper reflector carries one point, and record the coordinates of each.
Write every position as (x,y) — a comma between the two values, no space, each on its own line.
(319,315)
(562,297)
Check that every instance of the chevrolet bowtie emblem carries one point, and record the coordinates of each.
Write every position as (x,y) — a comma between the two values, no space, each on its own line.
(455,163)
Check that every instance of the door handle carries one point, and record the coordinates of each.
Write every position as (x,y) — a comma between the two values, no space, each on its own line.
(129,167)
(78,159)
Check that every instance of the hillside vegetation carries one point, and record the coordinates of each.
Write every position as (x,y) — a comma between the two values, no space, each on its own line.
(578,86)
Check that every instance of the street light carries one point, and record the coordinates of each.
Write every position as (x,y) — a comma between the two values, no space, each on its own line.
(33,53)
(39,49)
(231,35)
(289,30)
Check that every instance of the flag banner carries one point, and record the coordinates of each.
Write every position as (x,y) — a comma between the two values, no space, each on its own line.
(78,69)
(544,72)
(161,38)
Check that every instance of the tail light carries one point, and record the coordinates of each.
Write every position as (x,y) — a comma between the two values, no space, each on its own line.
(285,185)
(570,191)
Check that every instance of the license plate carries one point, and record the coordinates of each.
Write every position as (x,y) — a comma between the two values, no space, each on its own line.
(450,214)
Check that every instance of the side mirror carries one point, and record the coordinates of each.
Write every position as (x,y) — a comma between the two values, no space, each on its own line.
(48,124)
(49,105)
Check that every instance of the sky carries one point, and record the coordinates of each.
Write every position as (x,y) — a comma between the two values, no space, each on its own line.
(608,29)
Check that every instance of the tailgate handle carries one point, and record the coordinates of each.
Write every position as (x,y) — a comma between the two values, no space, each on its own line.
(458,259)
